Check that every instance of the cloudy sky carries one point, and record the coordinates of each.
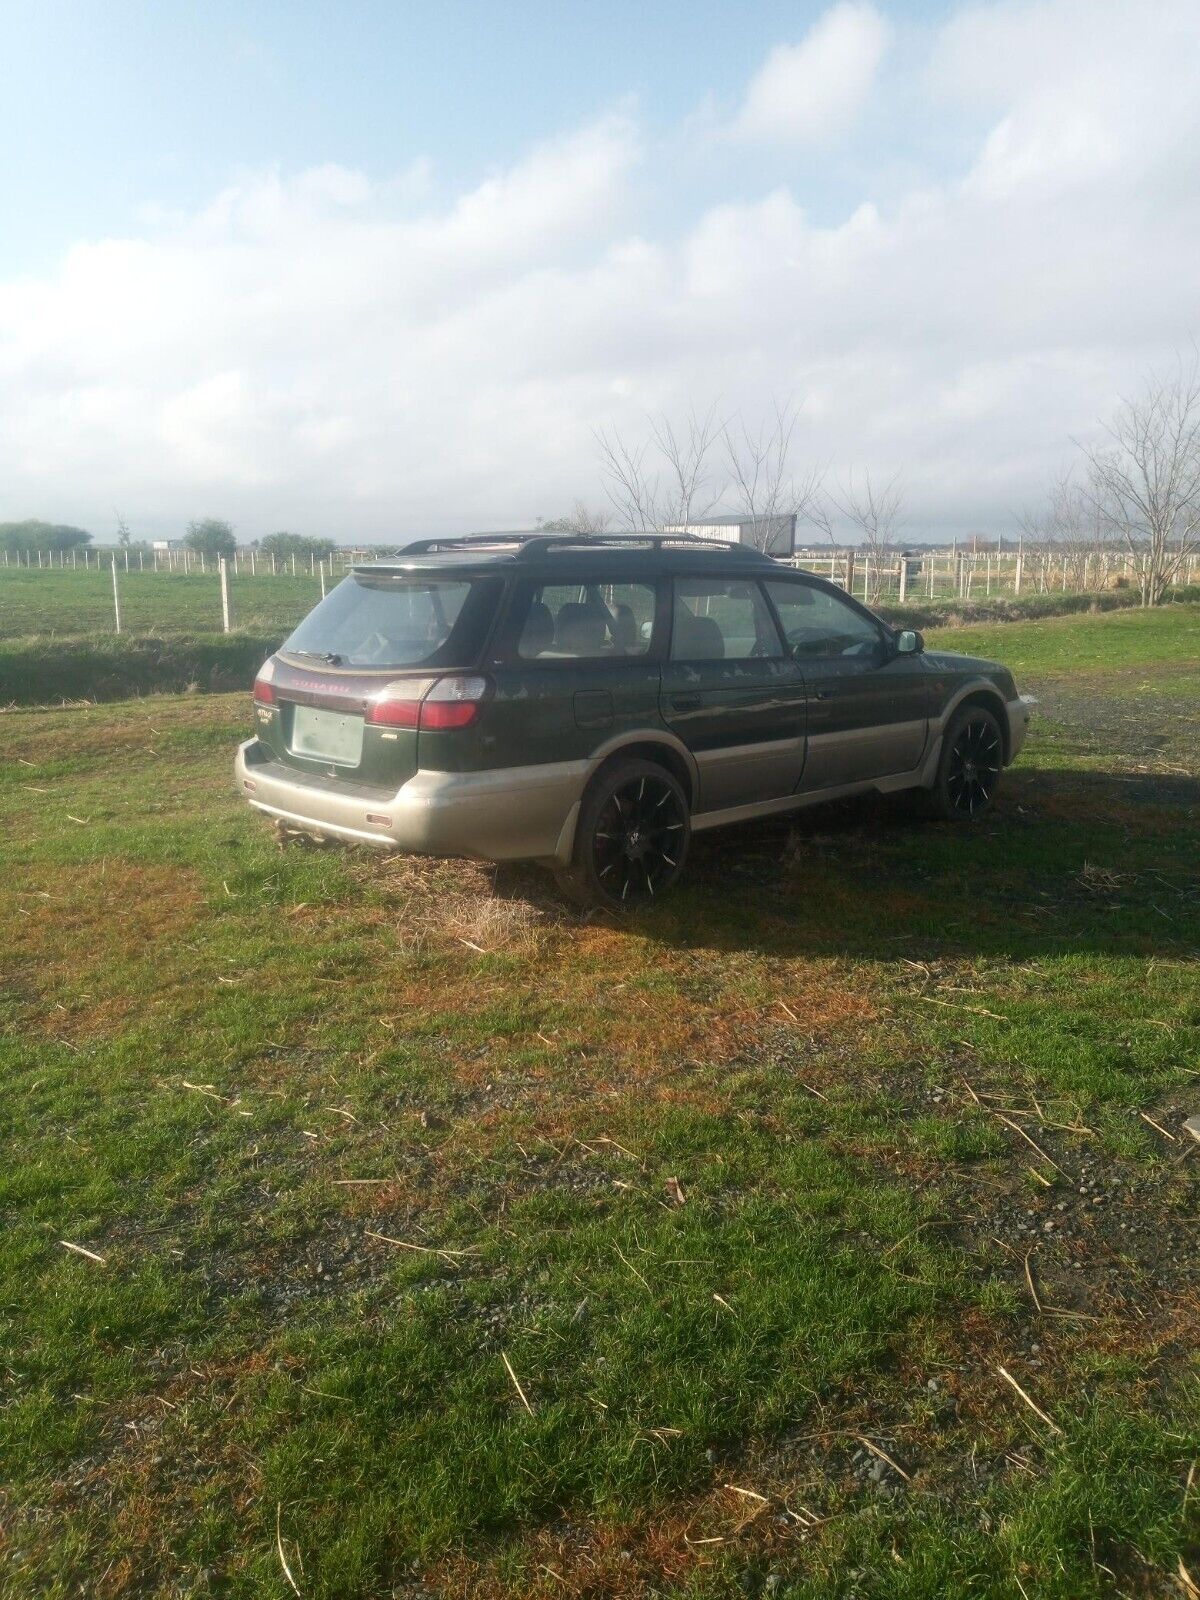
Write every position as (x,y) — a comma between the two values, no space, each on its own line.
(369,269)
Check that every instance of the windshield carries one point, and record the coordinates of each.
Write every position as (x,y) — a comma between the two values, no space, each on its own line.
(389,620)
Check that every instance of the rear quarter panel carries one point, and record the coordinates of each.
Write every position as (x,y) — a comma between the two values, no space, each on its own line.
(546,713)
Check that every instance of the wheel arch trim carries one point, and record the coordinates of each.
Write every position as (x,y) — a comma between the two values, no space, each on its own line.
(976,691)
(649,743)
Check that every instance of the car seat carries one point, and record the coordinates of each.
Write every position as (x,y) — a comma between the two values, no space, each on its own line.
(537,635)
(578,631)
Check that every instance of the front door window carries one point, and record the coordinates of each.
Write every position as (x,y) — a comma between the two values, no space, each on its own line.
(818,624)
(721,620)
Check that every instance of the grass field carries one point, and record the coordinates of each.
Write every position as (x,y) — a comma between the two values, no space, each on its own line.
(80,603)
(452,1245)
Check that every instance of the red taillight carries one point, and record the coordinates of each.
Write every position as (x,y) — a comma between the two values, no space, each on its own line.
(394,713)
(264,688)
(436,704)
(449,713)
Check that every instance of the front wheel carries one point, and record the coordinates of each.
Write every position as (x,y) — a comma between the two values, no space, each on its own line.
(969,770)
(632,837)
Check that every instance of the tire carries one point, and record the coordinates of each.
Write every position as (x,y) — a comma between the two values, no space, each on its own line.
(969,768)
(632,837)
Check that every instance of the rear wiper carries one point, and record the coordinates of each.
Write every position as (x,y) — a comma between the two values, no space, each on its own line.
(328,656)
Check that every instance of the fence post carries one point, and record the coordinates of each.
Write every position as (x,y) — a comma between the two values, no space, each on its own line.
(903,578)
(1020,571)
(849,571)
(223,569)
(322,577)
(116,594)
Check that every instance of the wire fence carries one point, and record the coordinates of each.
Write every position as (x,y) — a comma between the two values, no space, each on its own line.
(98,558)
(174,590)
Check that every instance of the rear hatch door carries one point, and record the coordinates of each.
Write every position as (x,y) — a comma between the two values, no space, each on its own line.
(378,634)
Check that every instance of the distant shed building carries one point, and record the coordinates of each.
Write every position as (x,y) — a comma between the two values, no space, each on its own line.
(774,536)
(167,544)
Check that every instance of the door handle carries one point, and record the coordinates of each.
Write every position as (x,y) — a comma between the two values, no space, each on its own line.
(824,694)
(685,702)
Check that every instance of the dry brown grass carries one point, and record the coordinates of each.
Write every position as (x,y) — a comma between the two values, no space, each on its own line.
(474,903)
(81,930)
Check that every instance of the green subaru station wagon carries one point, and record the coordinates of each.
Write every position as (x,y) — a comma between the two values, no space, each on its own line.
(590,702)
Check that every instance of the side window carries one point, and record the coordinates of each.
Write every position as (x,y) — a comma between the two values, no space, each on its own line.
(818,624)
(586,621)
(721,619)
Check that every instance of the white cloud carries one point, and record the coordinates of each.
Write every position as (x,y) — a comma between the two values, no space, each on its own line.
(807,93)
(337,353)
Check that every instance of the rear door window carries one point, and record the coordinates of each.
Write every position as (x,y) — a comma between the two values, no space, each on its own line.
(396,620)
(585,621)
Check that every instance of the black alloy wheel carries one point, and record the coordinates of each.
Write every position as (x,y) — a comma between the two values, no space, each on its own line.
(632,837)
(971,764)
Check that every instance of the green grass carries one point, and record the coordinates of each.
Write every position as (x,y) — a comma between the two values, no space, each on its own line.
(1066,646)
(814,1047)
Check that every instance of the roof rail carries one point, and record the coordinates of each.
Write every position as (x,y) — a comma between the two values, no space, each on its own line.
(529,545)
(455,541)
(617,541)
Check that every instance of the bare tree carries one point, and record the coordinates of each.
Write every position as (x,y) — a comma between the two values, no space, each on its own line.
(667,479)
(1065,537)
(580,520)
(877,514)
(1033,533)
(1074,530)
(1144,482)
(763,487)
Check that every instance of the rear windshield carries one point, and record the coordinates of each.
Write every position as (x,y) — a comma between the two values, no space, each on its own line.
(380,620)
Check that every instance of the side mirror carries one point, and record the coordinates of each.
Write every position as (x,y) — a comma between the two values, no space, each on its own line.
(909,643)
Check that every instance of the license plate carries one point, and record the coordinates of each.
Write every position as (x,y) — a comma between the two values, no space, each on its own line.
(327,736)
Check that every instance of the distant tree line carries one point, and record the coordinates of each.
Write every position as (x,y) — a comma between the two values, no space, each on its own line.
(211,537)
(208,536)
(286,545)
(21,538)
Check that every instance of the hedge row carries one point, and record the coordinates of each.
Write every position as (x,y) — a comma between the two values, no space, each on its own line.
(1029,608)
(47,671)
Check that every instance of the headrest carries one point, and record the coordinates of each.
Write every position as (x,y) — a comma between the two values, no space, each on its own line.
(697,638)
(578,631)
(538,633)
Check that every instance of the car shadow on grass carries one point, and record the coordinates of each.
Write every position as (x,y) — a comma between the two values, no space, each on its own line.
(1068,862)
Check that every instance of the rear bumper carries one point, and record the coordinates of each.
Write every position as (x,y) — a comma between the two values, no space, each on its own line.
(510,813)
(1020,711)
